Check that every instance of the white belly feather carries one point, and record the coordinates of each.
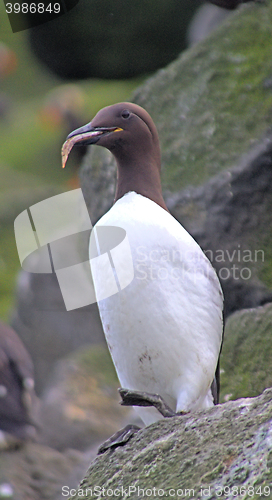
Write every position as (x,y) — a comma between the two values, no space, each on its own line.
(163,330)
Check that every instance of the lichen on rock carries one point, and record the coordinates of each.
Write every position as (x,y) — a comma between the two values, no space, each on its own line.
(246,355)
(228,446)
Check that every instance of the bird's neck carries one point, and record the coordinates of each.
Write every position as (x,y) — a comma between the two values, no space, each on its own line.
(142,179)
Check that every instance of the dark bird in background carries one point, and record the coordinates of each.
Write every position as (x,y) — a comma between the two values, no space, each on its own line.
(16,388)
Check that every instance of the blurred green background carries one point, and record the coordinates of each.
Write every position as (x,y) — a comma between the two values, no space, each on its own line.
(39,105)
(31,137)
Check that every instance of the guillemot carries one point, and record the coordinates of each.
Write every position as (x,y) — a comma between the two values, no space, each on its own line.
(164,330)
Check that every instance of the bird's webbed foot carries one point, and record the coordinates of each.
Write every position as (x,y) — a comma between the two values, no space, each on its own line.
(138,398)
(119,438)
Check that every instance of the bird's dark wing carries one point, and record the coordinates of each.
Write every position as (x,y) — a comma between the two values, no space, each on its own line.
(215,387)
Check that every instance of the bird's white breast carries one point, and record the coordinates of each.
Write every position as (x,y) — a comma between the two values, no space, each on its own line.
(164,329)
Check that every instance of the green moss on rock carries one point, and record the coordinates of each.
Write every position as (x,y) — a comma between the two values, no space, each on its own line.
(214,102)
(246,354)
(227,447)
(213,109)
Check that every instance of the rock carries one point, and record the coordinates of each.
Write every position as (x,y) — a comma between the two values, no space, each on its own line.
(36,472)
(76,414)
(246,354)
(205,20)
(230,217)
(228,446)
(212,108)
(81,408)
(112,39)
(47,329)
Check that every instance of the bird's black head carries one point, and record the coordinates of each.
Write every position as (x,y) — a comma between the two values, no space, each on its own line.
(125,129)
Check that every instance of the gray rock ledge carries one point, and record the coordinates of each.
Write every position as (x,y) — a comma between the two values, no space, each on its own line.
(228,446)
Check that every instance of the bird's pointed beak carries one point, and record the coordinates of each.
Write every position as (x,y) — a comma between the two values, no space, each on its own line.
(84,136)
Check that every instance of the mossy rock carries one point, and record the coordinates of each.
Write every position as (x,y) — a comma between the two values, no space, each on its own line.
(212,108)
(228,446)
(246,355)
(214,103)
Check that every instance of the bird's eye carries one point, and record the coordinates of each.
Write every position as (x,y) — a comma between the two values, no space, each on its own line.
(125,113)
